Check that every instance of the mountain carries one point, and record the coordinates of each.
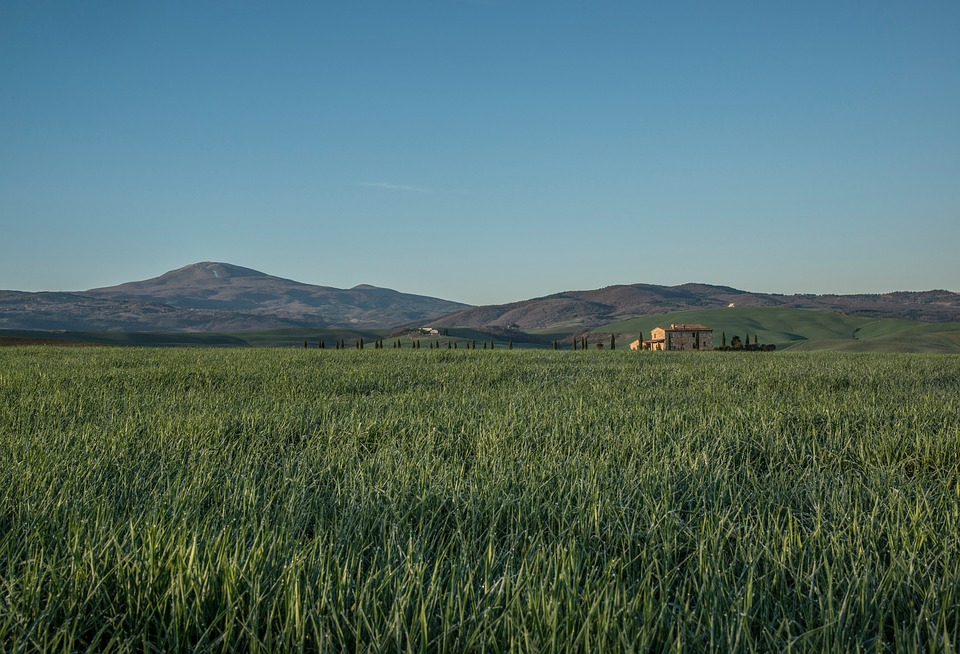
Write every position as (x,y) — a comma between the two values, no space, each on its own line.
(586,309)
(221,297)
(213,296)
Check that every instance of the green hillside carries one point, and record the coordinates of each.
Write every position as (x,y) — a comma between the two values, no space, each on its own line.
(796,329)
(804,329)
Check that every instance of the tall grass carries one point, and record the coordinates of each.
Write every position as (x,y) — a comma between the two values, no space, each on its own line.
(308,500)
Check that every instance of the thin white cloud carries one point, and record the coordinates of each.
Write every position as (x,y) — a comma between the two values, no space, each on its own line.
(396,187)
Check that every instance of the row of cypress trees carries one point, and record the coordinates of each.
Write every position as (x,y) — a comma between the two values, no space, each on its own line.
(341,344)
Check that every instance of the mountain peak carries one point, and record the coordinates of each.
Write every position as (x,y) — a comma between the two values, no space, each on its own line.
(207,270)
(245,296)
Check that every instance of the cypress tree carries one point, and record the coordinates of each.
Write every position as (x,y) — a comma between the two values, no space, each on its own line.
(304,345)
(554,344)
(613,341)
(510,345)
(723,339)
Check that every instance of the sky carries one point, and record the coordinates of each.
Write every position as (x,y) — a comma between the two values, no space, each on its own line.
(483,151)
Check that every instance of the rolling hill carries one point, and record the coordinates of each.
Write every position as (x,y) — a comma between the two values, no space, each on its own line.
(221,298)
(586,309)
(218,297)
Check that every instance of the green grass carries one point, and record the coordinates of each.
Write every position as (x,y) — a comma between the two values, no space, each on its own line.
(806,329)
(263,499)
(266,338)
(145,339)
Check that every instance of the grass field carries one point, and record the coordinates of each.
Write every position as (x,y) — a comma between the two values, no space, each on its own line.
(200,499)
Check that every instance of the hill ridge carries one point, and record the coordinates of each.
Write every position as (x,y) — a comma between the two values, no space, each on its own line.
(590,308)
(219,296)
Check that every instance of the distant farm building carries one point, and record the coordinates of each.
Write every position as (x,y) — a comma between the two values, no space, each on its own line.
(677,337)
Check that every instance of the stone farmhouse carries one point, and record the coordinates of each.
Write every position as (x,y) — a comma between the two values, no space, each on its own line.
(677,337)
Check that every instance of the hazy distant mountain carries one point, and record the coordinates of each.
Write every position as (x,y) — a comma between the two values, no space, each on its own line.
(220,297)
(213,296)
(613,303)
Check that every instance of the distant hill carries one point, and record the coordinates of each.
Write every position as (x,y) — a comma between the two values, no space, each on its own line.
(218,297)
(587,309)
(801,329)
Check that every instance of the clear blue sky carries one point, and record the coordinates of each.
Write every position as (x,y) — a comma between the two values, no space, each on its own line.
(482,150)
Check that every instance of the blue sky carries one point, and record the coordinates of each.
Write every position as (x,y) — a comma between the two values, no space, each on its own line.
(481,150)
